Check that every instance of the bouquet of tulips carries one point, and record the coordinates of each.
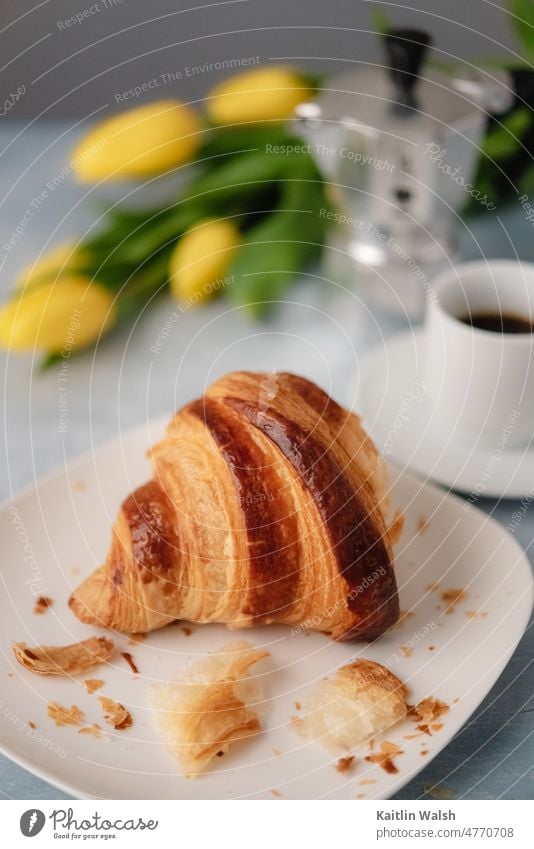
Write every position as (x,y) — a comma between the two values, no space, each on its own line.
(251,216)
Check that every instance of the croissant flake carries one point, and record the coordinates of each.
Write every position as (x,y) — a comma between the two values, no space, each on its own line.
(361,700)
(210,707)
(65,715)
(115,714)
(64,660)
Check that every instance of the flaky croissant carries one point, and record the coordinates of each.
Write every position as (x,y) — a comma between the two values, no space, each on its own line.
(267,505)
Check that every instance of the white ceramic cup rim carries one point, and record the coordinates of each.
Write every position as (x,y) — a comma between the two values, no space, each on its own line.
(450,279)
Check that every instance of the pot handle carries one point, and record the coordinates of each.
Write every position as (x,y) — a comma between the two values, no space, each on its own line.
(494,94)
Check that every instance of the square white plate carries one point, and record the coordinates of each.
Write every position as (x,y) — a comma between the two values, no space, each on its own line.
(58,532)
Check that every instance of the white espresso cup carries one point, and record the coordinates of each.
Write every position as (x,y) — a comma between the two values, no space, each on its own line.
(480,381)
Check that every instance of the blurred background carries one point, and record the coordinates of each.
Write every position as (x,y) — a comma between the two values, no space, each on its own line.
(72,70)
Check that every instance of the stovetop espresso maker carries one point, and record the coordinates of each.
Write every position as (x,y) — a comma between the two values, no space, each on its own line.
(400,143)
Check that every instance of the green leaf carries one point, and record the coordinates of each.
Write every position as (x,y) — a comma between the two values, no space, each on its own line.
(281,245)
(223,141)
(522,21)
(526,182)
(504,139)
(48,361)
(237,175)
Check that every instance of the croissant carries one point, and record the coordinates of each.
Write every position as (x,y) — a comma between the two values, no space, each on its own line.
(268,505)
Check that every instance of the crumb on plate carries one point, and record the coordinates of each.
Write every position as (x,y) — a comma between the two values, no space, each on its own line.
(451,598)
(115,714)
(64,660)
(92,684)
(345,764)
(422,525)
(93,729)
(42,604)
(64,715)
(384,758)
(130,661)
(428,710)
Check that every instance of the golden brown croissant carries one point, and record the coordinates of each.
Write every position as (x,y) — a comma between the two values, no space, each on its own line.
(267,505)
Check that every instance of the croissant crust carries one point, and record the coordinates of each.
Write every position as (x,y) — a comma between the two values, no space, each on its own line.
(267,504)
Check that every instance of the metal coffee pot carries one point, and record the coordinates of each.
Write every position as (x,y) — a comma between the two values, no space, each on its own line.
(400,146)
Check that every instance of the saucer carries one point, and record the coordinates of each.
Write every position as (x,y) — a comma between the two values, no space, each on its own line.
(400,417)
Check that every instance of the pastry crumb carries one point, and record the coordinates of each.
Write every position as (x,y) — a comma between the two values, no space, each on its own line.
(384,758)
(79,486)
(187,631)
(345,764)
(276,752)
(93,729)
(115,714)
(406,650)
(42,604)
(130,661)
(277,794)
(298,706)
(365,781)
(206,710)
(92,684)
(422,525)
(64,660)
(451,598)
(64,715)
(361,700)
(31,724)
(428,710)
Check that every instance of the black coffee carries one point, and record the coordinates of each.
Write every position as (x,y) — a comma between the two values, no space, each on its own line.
(499,322)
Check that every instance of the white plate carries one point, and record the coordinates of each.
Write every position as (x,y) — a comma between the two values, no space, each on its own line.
(401,419)
(59,531)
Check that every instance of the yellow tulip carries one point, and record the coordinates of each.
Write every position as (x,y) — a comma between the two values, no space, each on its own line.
(200,260)
(65,258)
(141,142)
(263,94)
(57,317)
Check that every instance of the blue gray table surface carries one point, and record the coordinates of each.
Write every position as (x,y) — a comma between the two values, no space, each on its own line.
(493,755)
